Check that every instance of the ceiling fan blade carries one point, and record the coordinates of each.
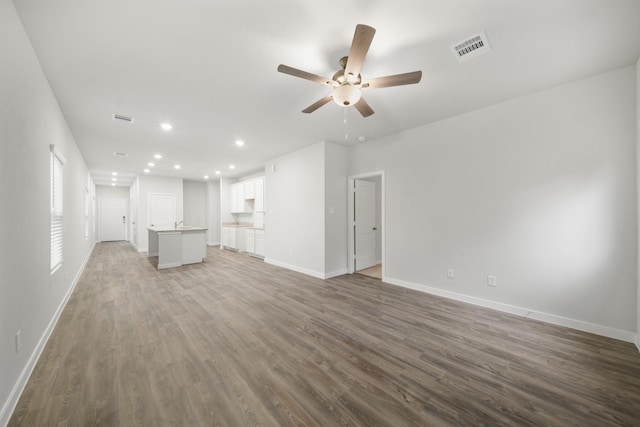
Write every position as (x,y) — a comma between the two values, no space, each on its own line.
(362,39)
(395,80)
(363,108)
(304,75)
(313,107)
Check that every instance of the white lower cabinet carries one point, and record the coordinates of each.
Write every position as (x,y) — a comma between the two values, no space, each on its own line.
(255,241)
(259,242)
(251,233)
(234,238)
(225,237)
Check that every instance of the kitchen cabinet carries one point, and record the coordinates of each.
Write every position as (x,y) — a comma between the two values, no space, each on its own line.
(176,246)
(259,242)
(233,241)
(251,235)
(234,237)
(255,242)
(247,196)
(237,201)
(225,237)
(229,239)
(249,190)
(258,205)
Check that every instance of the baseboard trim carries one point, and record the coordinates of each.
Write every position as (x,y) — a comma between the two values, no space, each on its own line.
(335,273)
(580,325)
(302,270)
(213,244)
(638,342)
(12,401)
(306,271)
(169,265)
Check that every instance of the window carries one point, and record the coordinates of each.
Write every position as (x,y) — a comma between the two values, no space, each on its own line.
(56,185)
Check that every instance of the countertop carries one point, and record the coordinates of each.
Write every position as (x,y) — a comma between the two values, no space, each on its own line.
(237,224)
(179,228)
(241,225)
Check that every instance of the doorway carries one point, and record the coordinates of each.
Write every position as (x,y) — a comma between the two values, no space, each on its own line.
(113,220)
(366,234)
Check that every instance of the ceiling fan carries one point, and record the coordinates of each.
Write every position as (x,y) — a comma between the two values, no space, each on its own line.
(347,83)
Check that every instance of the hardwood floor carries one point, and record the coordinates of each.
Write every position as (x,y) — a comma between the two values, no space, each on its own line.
(235,342)
(375,271)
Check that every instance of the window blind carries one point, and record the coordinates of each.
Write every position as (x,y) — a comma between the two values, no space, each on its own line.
(56,185)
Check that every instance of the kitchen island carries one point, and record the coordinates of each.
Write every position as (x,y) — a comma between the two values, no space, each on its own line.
(177,246)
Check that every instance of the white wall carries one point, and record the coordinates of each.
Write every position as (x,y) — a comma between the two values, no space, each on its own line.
(111,192)
(638,194)
(538,191)
(306,210)
(213,213)
(155,184)
(294,205)
(30,298)
(195,203)
(335,210)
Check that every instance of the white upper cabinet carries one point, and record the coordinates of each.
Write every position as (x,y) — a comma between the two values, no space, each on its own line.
(249,190)
(237,198)
(247,196)
(259,195)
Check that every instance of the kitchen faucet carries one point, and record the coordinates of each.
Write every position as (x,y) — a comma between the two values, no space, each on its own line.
(177,223)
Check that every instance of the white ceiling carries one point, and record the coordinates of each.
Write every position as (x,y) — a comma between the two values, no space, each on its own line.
(209,68)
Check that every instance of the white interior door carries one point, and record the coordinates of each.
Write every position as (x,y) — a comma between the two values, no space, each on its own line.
(113,221)
(365,224)
(162,210)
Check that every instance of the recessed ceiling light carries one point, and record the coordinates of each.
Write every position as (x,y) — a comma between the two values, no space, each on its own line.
(157,156)
(206,177)
(176,166)
(239,143)
(114,179)
(114,173)
(217,172)
(147,171)
(232,166)
(151,164)
(166,126)
(113,184)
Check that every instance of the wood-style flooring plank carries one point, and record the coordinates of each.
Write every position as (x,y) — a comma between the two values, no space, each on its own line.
(237,342)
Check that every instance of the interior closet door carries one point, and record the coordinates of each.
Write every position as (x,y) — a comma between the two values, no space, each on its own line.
(365,224)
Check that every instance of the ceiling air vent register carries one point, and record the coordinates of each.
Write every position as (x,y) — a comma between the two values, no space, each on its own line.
(122,118)
(471,47)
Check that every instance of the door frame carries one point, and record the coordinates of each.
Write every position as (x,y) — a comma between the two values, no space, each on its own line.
(350,212)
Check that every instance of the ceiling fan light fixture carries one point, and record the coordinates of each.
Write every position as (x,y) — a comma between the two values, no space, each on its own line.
(346,95)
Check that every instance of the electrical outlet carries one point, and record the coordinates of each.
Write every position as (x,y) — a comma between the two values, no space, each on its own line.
(450,273)
(292,254)
(18,341)
(491,280)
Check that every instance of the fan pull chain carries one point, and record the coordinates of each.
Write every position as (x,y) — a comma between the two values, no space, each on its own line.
(346,127)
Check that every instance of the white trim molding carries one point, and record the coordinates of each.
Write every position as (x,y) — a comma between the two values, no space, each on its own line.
(580,325)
